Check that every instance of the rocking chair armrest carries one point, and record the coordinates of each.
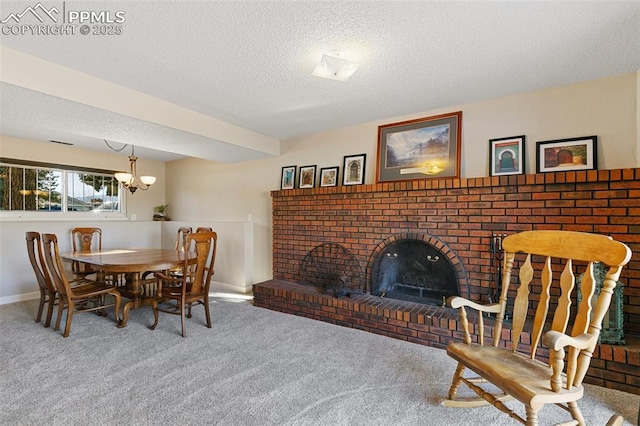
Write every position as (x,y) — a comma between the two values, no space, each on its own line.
(555,340)
(460,302)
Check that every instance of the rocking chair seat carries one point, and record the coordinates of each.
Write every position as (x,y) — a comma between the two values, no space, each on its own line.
(525,379)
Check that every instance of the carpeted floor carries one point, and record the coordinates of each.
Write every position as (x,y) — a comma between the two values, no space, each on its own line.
(254,367)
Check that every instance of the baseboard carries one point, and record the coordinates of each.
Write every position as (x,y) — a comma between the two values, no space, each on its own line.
(230,288)
(215,287)
(19,298)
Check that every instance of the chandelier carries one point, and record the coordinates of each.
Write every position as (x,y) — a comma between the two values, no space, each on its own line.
(130,180)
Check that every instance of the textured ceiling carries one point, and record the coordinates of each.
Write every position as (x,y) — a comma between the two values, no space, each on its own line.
(249,63)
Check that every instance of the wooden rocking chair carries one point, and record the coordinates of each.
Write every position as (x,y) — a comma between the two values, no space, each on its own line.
(513,368)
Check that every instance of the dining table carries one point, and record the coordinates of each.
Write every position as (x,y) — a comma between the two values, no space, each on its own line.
(133,262)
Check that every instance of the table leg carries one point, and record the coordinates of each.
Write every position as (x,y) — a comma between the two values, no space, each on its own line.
(136,291)
(137,295)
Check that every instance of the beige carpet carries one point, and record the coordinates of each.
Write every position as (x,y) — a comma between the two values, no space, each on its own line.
(254,367)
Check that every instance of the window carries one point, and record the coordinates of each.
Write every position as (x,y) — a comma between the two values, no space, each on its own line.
(40,187)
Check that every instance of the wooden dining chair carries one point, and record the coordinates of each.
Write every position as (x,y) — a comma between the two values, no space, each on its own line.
(87,239)
(181,244)
(181,237)
(177,294)
(150,283)
(540,295)
(204,229)
(48,293)
(85,297)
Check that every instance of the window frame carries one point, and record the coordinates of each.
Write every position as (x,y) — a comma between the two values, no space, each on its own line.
(64,214)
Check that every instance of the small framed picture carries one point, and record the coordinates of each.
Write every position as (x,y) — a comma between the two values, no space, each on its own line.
(329,176)
(567,154)
(307,177)
(507,156)
(288,179)
(353,169)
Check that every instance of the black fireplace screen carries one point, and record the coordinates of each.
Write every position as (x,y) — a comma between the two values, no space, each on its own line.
(333,269)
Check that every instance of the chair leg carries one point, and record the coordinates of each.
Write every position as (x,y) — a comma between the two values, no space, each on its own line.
(532,416)
(206,310)
(52,301)
(154,306)
(67,327)
(575,412)
(61,307)
(102,300)
(455,382)
(41,306)
(615,420)
(182,309)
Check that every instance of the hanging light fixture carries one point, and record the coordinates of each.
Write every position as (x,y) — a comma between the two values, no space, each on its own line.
(130,180)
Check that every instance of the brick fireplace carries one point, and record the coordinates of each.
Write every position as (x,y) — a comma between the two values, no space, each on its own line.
(460,217)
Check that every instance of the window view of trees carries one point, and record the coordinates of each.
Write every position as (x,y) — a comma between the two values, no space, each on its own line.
(25,188)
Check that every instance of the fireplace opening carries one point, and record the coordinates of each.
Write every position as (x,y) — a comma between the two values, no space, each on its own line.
(415,271)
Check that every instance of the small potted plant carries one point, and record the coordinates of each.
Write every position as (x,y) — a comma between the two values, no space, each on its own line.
(160,212)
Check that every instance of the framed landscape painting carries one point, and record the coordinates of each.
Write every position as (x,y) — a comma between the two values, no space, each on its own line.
(417,149)
(567,154)
(507,156)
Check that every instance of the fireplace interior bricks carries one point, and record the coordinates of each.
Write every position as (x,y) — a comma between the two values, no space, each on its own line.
(459,217)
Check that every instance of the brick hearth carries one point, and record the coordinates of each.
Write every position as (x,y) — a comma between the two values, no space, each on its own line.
(463,214)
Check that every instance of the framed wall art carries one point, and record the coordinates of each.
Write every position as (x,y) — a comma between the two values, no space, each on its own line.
(353,169)
(417,149)
(329,176)
(567,154)
(507,156)
(307,177)
(288,178)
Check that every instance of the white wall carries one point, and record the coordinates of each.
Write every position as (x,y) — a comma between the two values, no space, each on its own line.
(203,191)
(637,150)
(607,108)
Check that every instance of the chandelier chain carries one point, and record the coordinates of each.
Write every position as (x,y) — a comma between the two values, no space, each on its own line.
(118,149)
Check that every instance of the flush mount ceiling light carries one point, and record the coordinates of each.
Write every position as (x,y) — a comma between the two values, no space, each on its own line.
(334,66)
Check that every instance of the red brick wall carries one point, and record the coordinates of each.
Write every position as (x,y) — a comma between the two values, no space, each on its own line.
(463,214)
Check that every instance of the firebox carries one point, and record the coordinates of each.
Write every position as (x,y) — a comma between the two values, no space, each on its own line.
(413,270)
